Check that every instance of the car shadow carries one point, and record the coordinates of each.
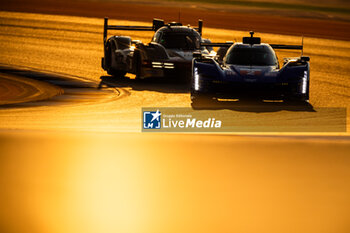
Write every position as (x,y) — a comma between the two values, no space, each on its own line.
(171,86)
(73,89)
(255,106)
(150,84)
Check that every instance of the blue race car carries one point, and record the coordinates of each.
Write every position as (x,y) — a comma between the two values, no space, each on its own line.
(250,70)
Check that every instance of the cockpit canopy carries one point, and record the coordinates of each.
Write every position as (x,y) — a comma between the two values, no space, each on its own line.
(178,37)
(251,55)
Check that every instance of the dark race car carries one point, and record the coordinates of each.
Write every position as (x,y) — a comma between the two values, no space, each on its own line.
(170,52)
(250,70)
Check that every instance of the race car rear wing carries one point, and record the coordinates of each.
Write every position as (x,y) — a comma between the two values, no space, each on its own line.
(157,23)
(281,46)
(256,40)
(292,47)
(226,44)
(200,27)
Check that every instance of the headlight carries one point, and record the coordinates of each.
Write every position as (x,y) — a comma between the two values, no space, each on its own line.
(169,65)
(157,64)
(196,79)
(162,65)
(304,83)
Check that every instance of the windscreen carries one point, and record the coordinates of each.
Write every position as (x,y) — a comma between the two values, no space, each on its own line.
(251,56)
(179,41)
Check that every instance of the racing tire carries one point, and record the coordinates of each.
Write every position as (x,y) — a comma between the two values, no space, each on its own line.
(107,59)
(110,70)
(137,65)
(296,101)
(116,73)
(187,78)
(300,100)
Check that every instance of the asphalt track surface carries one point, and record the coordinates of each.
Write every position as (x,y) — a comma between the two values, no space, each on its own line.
(76,162)
(18,90)
(307,23)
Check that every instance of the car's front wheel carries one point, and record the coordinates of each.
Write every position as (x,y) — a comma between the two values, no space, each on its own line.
(110,70)
(137,65)
(116,73)
(296,100)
